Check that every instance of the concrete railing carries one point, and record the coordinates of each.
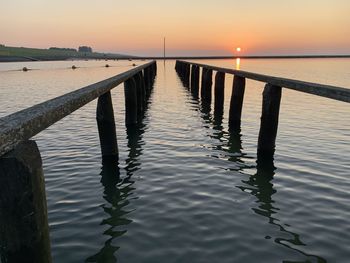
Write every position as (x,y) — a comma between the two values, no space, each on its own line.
(24,232)
(189,73)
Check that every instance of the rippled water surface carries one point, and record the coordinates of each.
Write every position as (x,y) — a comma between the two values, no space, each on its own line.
(185,189)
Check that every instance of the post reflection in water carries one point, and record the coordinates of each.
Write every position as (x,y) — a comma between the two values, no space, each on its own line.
(259,185)
(231,142)
(115,197)
(117,192)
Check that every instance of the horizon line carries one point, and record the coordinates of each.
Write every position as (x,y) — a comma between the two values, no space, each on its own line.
(246,56)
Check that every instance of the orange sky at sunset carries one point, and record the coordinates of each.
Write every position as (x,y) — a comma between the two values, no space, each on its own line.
(267,27)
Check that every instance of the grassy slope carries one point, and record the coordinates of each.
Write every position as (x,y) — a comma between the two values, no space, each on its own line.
(47,54)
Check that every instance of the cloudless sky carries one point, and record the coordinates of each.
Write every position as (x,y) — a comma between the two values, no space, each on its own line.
(191,27)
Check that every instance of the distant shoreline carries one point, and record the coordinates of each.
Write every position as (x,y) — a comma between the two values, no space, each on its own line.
(26,59)
(23,54)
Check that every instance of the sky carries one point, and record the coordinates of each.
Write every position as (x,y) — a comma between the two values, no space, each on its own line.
(191,27)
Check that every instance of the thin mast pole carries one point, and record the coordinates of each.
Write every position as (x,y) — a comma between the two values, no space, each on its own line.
(164,47)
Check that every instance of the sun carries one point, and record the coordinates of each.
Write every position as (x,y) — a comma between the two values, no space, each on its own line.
(238,49)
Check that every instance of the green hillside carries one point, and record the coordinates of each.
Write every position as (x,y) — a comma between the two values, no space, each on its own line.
(22,53)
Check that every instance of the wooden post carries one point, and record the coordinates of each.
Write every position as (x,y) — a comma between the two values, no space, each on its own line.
(204,71)
(269,120)
(177,66)
(187,75)
(183,70)
(152,75)
(154,67)
(106,127)
(206,85)
(236,104)
(180,69)
(140,99)
(143,89)
(195,80)
(219,93)
(24,230)
(147,82)
(130,102)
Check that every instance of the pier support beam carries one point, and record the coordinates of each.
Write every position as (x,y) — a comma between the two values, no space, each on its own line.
(269,121)
(187,75)
(219,93)
(24,230)
(194,80)
(147,81)
(206,85)
(143,90)
(131,101)
(106,127)
(236,103)
(140,98)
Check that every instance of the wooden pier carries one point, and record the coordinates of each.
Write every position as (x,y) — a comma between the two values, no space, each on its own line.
(24,232)
(271,97)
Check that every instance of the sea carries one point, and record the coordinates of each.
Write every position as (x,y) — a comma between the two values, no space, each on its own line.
(185,188)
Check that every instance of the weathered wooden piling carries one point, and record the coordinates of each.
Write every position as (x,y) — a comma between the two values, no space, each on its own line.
(194,80)
(236,103)
(204,70)
(143,89)
(130,92)
(148,78)
(140,99)
(187,72)
(219,93)
(206,85)
(180,68)
(177,65)
(106,127)
(154,70)
(269,120)
(147,81)
(24,230)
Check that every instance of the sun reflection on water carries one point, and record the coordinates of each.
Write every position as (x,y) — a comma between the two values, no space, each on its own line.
(238,63)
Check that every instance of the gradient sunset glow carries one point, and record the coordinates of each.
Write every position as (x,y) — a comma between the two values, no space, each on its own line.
(204,27)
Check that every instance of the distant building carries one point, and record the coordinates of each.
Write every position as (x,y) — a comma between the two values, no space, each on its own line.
(1,45)
(85,49)
(63,49)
